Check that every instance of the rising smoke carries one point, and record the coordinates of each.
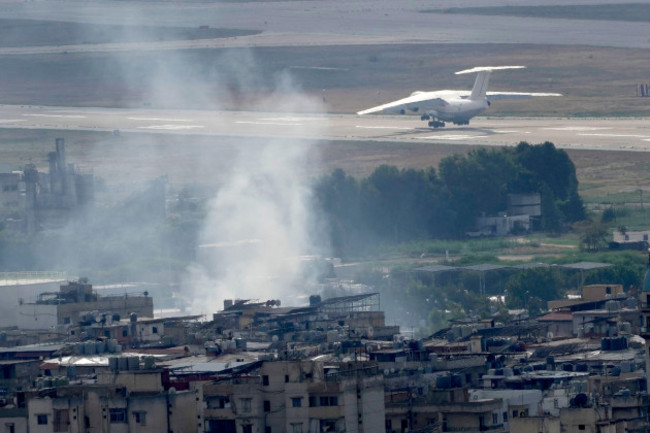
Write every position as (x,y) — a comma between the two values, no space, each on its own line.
(262,223)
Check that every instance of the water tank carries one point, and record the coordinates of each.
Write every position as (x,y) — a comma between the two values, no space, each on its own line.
(149,362)
(133,317)
(133,363)
(113,363)
(89,348)
(443,382)
(605,344)
(100,347)
(123,364)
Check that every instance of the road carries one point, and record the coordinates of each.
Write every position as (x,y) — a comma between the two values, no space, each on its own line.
(627,134)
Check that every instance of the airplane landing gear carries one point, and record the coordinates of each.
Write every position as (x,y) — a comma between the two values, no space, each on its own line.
(436,124)
(425,117)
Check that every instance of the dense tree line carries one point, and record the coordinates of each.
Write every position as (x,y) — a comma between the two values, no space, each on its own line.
(392,206)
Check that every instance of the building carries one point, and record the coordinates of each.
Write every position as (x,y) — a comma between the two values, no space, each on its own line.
(298,397)
(52,199)
(19,287)
(120,401)
(75,303)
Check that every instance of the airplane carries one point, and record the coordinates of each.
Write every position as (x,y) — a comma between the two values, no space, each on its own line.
(456,106)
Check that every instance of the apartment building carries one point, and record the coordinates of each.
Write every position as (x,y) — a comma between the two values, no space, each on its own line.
(298,397)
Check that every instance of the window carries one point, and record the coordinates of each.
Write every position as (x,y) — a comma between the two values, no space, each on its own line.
(247,428)
(140,417)
(117,414)
(10,428)
(296,401)
(245,404)
(327,425)
(324,400)
(265,380)
(41,419)
(495,418)
(154,329)
(505,416)
(267,429)
(581,426)
(125,331)
(267,406)
(296,427)
(60,420)
(66,321)
(218,402)
(286,378)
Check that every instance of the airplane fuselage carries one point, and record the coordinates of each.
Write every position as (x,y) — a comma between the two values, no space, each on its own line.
(459,110)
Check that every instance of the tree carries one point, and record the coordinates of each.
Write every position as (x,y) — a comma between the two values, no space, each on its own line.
(594,236)
(532,288)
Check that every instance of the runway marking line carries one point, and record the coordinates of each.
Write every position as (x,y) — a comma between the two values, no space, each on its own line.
(643,137)
(578,128)
(64,116)
(452,137)
(12,120)
(385,127)
(155,119)
(292,119)
(246,122)
(171,127)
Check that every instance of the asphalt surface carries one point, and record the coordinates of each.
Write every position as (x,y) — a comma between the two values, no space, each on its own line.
(627,134)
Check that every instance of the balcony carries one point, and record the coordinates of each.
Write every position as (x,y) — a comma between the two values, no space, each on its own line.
(490,428)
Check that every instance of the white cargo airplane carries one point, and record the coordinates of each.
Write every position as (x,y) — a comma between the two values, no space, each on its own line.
(456,106)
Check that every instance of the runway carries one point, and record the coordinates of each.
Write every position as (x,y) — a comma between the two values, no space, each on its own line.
(610,134)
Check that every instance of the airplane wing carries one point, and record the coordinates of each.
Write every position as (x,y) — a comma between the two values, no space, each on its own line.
(497,96)
(418,101)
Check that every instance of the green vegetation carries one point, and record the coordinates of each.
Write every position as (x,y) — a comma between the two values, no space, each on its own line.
(612,12)
(392,206)
(431,300)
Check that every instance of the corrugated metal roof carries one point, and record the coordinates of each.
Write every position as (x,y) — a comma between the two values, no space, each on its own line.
(585,266)
(437,268)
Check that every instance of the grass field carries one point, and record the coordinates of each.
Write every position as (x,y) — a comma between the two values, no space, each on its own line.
(594,81)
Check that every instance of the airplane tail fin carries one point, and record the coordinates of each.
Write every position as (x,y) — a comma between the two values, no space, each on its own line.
(480,85)
(483,78)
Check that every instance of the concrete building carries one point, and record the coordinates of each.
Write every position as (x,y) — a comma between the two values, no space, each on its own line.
(50,200)
(120,401)
(298,397)
(644,301)
(10,188)
(20,287)
(75,303)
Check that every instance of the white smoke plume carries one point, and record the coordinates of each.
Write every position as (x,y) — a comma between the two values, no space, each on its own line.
(262,221)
